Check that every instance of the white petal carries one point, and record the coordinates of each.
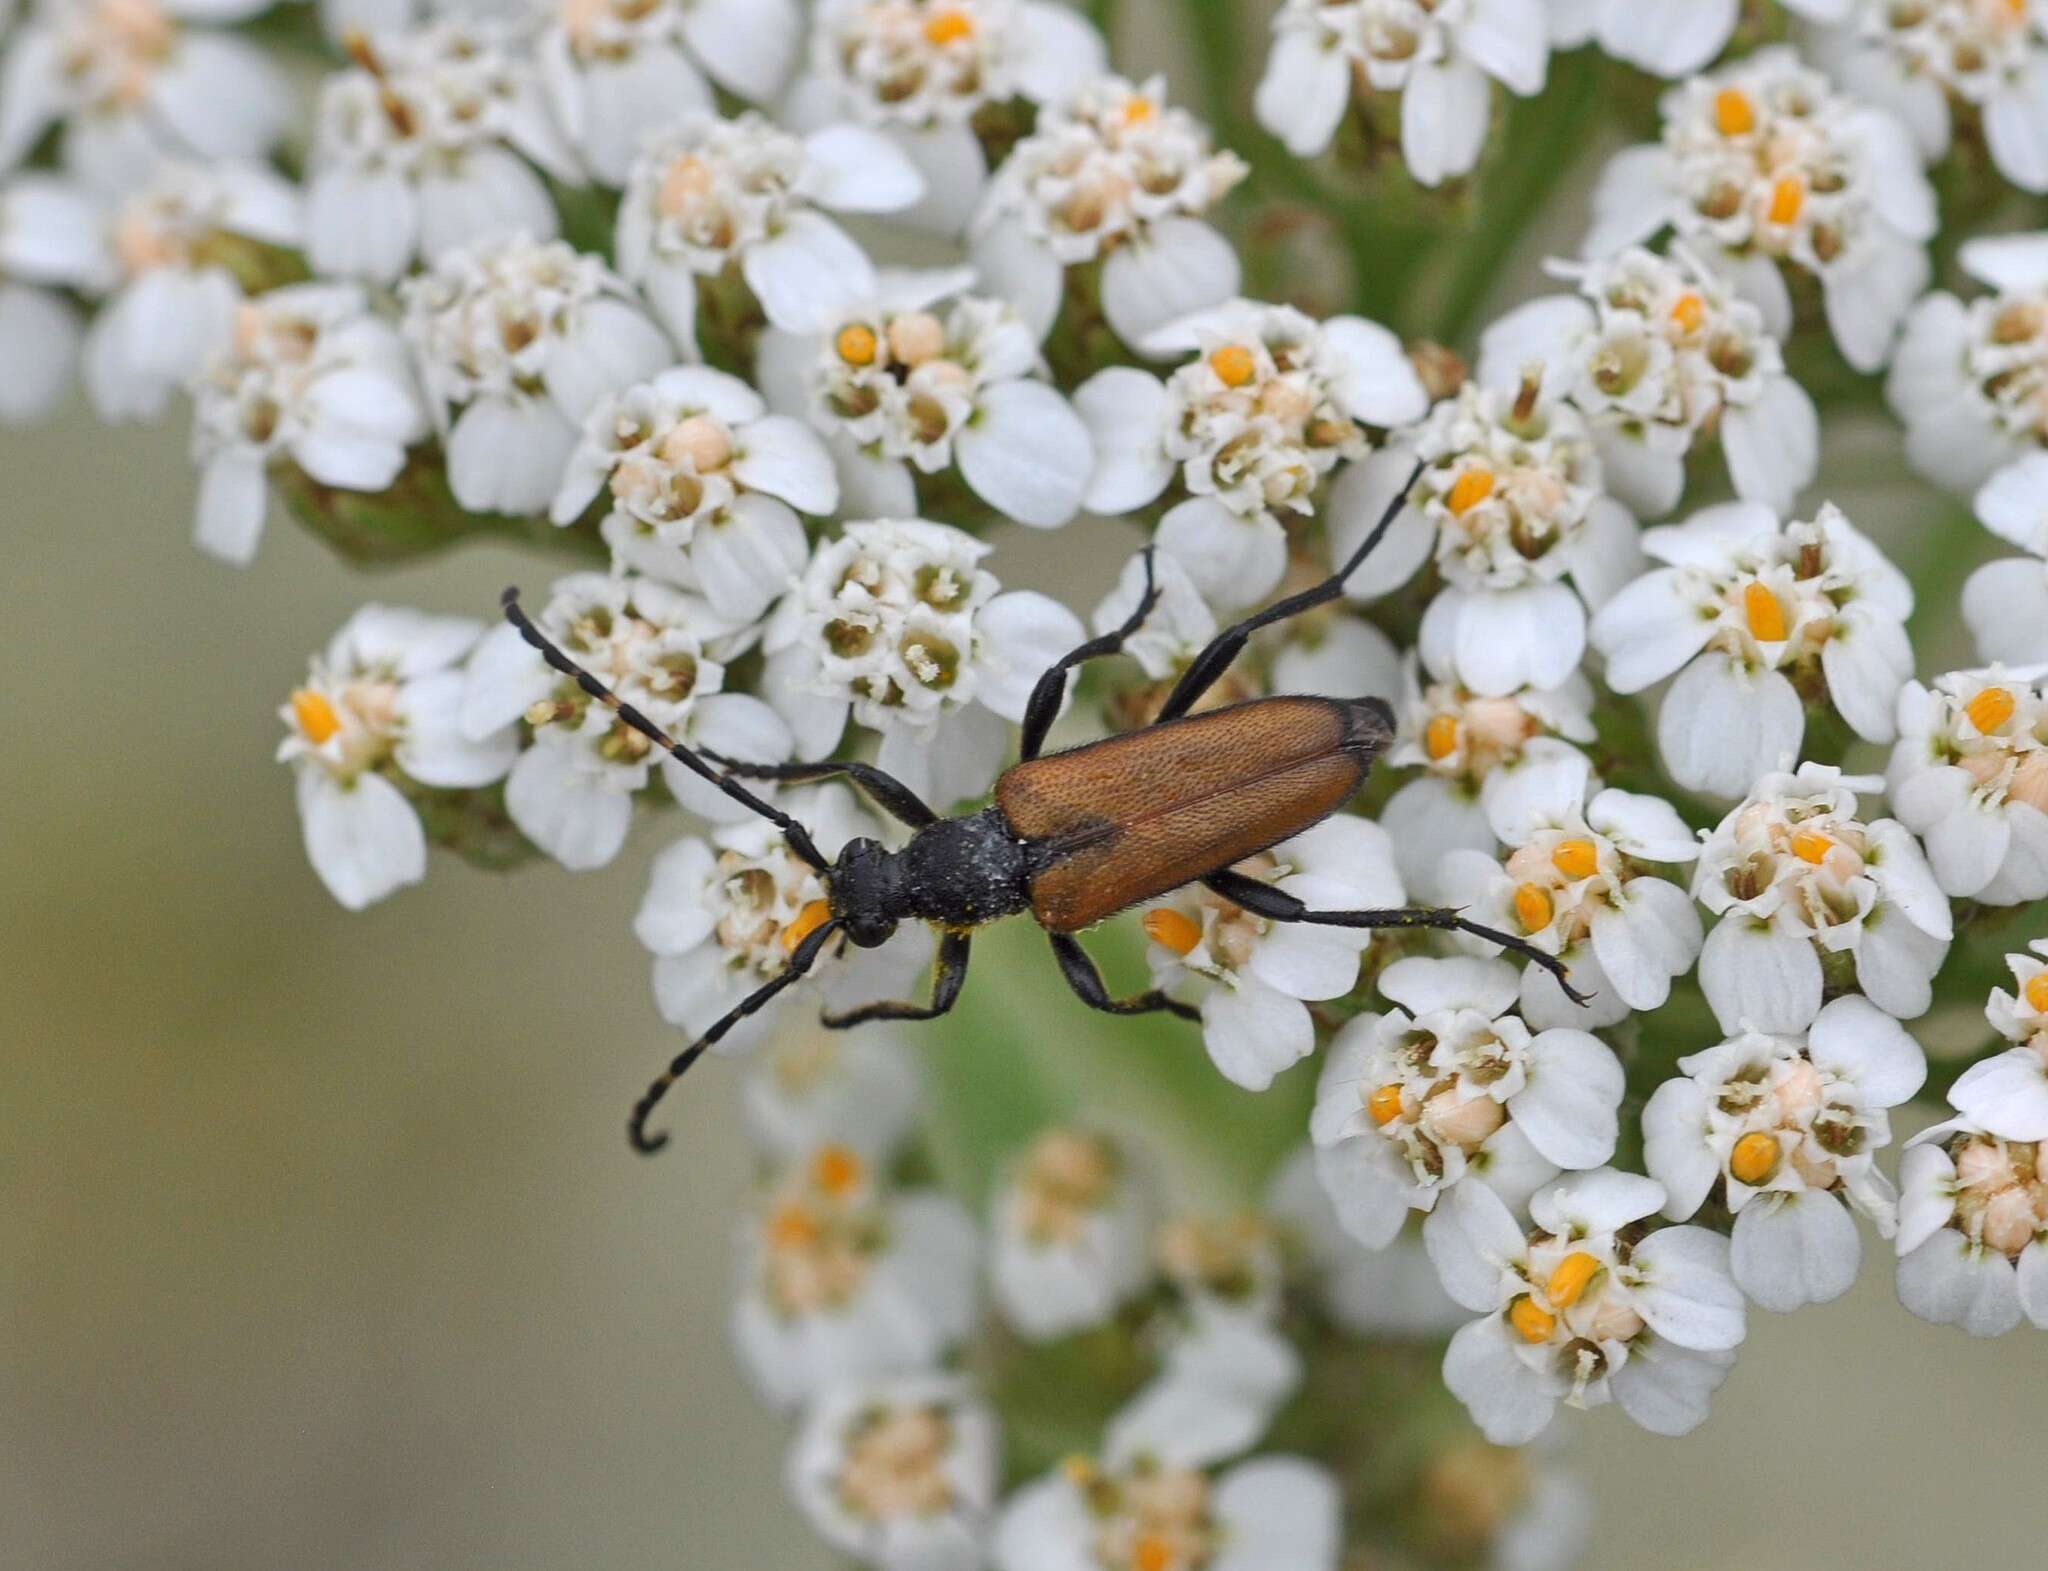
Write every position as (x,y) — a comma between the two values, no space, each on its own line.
(1685,1291)
(1510,39)
(621,102)
(1541,332)
(2016,126)
(1420,984)
(579,816)
(1429,818)
(1896,963)
(1851,1037)
(1278,1511)
(1358,500)
(950,158)
(493,192)
(2013,504)
(434,749)
(1866,305)
(363,839)
(2005,604)
(1722,728)
(1027,454)
(1597,1202)
(1306,962)
(1125,411)
(1012,265)
(1676,1123)
(1444,115)
(613,347)
(1253,1032)
(1373,377)
(1532,636)
(1021,634)
(1669,38)
(1568,1107)
(784,458)
(748,556)
(1056,51)
(1795,1247)
(1471,1238)
(1644,478)
(1866,662)
(673,918)
(1045,1526)
(1665,1389)
(1950,1282)
(1756,976)
(1234,562)
(1365,1187)
(1633,200)
(1647,631)
(1772,445)
(2032,1282)
(232,502)
(2012,264)
(1505,1397)
(808,275)
(506,455)
(1305,90)
(750,46)
(858,170)
(1645,826)
(2006,1094)
(1173,267)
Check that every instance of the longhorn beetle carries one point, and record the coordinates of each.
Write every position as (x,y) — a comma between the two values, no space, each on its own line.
(1077,836)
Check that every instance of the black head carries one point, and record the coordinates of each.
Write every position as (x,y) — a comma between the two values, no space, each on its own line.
(863,889)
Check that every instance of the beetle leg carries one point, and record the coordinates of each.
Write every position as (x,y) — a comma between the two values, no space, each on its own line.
(1276,905)
(801,961)
(1083,977)
(798,837)
(1051,688)
(1207,668)
(946,985)
(888,793)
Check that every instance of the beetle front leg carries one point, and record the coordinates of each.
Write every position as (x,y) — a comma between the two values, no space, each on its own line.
(1044,705)
(1086,981)
(946,985)
(1276,905)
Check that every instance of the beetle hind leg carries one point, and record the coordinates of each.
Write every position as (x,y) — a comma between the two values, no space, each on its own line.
(1276,905)
(1051,687)
(1086,981)
(946,984)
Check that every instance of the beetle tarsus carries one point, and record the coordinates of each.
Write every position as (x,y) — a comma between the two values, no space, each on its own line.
(946,984)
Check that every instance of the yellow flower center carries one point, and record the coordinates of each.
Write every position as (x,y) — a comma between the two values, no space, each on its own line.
(1535,1324)
(1384,1104)
(1734,114)
(857,344)
(1152,1553)
(2037,991)
(1470,489)
(314,715)
(837,1171)
(948,26)
(1689,311)
(1810,847)
(1440,736)
(1139,110)
(1172,929)
(1754,1158)
(1990,709)
(1788,196)
(1765,616)
(1576,858)
(1568,1282)
(808,921)
(1234,365)
(1533,908)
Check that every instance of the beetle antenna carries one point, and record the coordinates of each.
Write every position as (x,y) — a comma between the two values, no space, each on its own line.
(800,961)
(799,838)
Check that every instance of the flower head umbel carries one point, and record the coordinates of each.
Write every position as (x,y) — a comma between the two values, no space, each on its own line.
(1151,1513)
(2007,1095)
(722,916)
(1452,1086)
(307,374)
(1764,163)
(619,71)
(704,487)
(1253,978)
(1935,60)
(426,143)
(920,378)
(1971,383)
(1969,776)
(900,1472)
(1661,355)
(1113,175)
(1442,60)
(1273,402)
(896,625)
(1575,884)
(1973,1229)
(1461,741)
(1758,619)
(1668,38)
(708,194)
(660,649)
(843,1279)
(1070,1233)
(50,242)
(1586,1309)
(378,718)
(516,340)
(1508,501)
(1784,1128)
(921,70)
(1803,885)
(130,80)
(175,245)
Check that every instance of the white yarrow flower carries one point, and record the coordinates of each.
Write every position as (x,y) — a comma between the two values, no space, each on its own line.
(426,143)
(896,625)
(1787,1129)
(516,341)
(309,375)
(2007,1094)
(1254,979)
(1802,885)
(707,194)
(919,378)
(1442,59)
(1661,355)
(1969,776)
(1110,175)
(1757,618)
(1253,427)
(1070,1234)
(1584,1310)
(900,1473)
(1452,1087)
(1973,1217)
(1575,886)
(841,1279)
(381,711)
(821,1087)
(1669,38)
(50,242)
(1764,163)
(704,487)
